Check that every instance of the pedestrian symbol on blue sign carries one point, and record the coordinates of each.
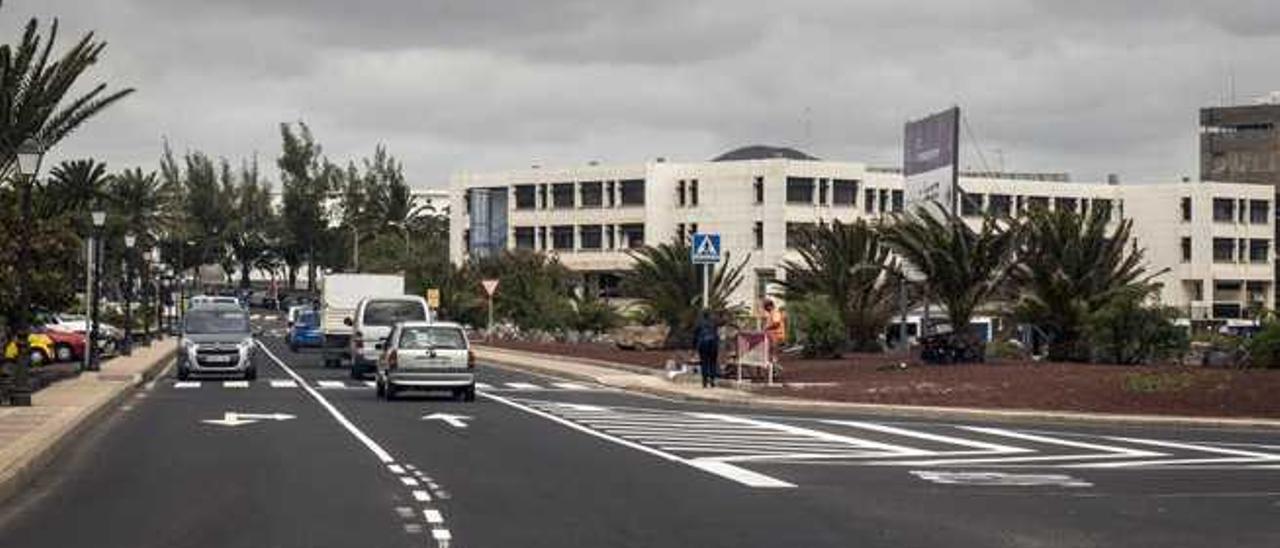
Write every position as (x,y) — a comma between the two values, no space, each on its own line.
(706,248)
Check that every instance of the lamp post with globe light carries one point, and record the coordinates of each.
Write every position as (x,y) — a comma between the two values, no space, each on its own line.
(28,158)
(99,218)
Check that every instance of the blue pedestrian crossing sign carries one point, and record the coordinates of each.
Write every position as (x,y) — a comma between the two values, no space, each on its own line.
(706,248)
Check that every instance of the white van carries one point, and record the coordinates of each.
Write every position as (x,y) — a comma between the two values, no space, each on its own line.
(371,324)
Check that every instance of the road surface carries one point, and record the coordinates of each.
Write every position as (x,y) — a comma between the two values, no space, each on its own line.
(307,457)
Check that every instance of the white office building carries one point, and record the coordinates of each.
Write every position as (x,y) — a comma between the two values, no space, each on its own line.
(1213,241)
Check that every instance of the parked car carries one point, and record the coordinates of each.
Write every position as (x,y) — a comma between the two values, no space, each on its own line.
(217,339)
(201,300)
(40,346)
(427,356)
(305,331)
(372,322)
(67,346)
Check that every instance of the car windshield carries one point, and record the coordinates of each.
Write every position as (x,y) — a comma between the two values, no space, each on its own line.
(393,312)
(216,321)
(440,338)
(308,319)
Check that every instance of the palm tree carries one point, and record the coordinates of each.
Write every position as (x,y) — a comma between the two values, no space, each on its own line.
(141,203)
(851,266)
(251,226)
(73,188)
(963,268)
(33,86)
(669,286)
(1070,267)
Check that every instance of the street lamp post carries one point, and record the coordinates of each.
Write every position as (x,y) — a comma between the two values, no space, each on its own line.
(99,218)
(129,241)
(29,155)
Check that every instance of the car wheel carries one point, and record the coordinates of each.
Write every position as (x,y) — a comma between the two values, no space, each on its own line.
(293,348)
(390,390)
(469,394)
(379,389)
(251,373)
(357,371)
(64,353)
(330,362)
(38,357)
(183,373)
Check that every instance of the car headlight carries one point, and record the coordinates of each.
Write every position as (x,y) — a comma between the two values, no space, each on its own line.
(245,345)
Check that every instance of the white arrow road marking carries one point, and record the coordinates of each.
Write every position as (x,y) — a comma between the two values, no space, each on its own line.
(232,418)
(455,421)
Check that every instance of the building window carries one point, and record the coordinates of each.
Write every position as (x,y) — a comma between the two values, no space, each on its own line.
(844,192)
(970,205)
(1259,250)
(999,205)
(693,193)
(592,194)
(1066,204)
(1186,209)
(609,235)
(632,192)
(542,196)
(895,197)
(1259,211)
(1102,207)
(526,197)
(794,231)
(1224,210)
(1186,249)
(680,195)
(1241,210)
(1224,250)
(799,190)
(758,185)
(524,237)
(758,233)
(591,237)
(542,237)
(822,191)
(1037,202)
(884,200)
(562,237)
(632,235)
(562,196)
(610,196)
(693,229)
(869,200)
(679,232)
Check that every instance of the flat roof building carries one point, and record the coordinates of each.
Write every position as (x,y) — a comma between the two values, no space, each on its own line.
(1213,241)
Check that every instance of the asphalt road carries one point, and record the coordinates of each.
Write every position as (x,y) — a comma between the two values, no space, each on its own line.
(311,458)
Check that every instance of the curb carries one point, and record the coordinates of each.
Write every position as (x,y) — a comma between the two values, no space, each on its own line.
(24,472)
(755,401)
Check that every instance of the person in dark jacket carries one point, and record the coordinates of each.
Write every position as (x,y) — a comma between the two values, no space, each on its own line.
(706,338)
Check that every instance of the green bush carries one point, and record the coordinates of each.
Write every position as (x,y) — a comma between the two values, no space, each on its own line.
(1127,331)
(819,327)
(1007,350)
(1264,347)
(593,314)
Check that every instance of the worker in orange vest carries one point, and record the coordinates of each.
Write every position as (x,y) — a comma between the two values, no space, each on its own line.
(774,322)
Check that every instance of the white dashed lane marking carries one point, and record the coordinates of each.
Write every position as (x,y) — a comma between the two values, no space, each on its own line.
(186,384)
(235,384)
(331,384)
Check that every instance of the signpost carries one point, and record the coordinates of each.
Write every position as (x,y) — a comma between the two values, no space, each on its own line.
(705,252)
(490,286)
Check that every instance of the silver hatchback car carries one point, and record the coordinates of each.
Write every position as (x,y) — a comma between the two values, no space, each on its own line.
(426,356)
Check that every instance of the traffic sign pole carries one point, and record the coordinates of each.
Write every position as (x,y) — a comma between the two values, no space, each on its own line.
(705,252)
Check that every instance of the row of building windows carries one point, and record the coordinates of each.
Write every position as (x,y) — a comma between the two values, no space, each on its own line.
(1007,205)
(1233,250)
(820,191)
(582,195)
(580,237)
(1232,210)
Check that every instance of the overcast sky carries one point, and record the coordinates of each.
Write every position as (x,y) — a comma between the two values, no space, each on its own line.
(1084,86)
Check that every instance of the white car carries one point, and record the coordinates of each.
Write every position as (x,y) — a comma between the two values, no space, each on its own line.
(427,356)
(76,323)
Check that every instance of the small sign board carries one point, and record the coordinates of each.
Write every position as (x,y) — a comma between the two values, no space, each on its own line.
(433,298)
(706,248)
(489,286)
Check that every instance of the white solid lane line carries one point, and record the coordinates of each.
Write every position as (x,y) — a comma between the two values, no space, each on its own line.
(187,384)
(363,438)
(235,384)
(283,383)
(724,470)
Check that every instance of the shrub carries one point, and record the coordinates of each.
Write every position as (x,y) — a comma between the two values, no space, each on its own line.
(593,314)
(820,329)
(1127,331)
(1008,350)
(1264,347)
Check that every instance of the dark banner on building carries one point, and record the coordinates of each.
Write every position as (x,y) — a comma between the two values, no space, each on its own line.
(929,165)
(488,227)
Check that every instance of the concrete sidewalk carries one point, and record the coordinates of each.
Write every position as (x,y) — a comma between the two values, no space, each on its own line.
(31,436)
(656,382)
